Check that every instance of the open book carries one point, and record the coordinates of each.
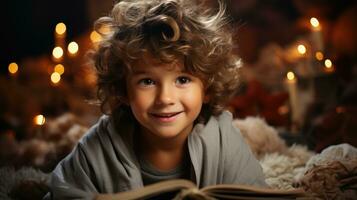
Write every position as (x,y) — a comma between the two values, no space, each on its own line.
(184,189)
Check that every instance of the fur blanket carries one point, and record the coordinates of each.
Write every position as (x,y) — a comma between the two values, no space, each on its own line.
(25,183)
(280,163)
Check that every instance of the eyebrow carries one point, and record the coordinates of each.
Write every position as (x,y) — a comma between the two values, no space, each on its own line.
(138,72)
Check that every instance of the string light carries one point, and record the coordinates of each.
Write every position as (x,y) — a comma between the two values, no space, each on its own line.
(39,120)
(59,68)
(13,68)
(55,77)
(57,52)
(61,28)
(319,55)
(290,75)
(301,49)
(73,47)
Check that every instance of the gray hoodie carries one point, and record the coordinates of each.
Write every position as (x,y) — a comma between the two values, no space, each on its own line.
(104,160)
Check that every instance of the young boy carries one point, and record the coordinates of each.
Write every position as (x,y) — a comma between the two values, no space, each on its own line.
(165,71)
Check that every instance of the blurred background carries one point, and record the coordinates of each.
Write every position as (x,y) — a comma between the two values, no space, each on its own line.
(299,73)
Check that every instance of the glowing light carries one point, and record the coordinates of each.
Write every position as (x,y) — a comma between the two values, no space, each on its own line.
(319,55)
(328,63)
(73,48)
(39,120)
(301,49)
(290,76)
(13,68)
(61,28)
(105,29)
(314,22)
(59,68)
(340,109)
(57,52)
(55,77)
(283,110)
(95,37)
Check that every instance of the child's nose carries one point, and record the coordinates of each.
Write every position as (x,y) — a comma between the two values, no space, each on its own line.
(166,95)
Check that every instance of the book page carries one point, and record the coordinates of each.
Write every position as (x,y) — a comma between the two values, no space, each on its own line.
(150,190)
(250,192)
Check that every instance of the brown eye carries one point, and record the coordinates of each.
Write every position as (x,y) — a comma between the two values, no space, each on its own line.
(183,80)
(146,82)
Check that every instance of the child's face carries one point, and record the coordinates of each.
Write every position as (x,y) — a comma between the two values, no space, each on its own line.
(163,98)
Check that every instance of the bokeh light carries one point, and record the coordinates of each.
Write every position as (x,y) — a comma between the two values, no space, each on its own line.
(301,49)
(290,76)
(59,68)
(13,68)
(55,77)
(57,52)
(61,28)
(73,47)
(39,120)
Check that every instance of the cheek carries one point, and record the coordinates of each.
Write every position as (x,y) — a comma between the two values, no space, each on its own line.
(194,98)
(138,101)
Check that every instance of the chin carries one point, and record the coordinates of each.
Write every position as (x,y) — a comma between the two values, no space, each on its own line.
(167,135)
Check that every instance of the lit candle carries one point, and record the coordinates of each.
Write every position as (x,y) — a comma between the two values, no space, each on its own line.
(328,66)
(39,120)
(291,84)
(304,65)
(316,35)
(60,34)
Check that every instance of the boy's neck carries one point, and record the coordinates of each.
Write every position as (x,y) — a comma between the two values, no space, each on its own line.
(164,154)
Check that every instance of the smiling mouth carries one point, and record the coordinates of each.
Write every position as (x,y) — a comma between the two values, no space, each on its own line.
(166,116)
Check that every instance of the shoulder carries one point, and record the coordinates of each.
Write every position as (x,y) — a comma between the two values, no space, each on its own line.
(99,129)
(218,129)
(99,137)
(226,129)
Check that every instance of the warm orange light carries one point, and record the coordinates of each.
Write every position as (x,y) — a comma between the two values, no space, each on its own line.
(95,37)
(61,28)
(319,55)
(314,22)
(290,76)
(59,68)
(301,49)
(13,68)
(340,109)
(283,110)
(105,29)
(57,52)
(73,48)
(55,77)
(39,120)
(328,63)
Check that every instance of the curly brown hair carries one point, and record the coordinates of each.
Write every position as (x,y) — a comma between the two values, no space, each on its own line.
(167,29)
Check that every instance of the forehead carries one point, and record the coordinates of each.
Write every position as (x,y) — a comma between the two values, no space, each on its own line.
(148,62)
